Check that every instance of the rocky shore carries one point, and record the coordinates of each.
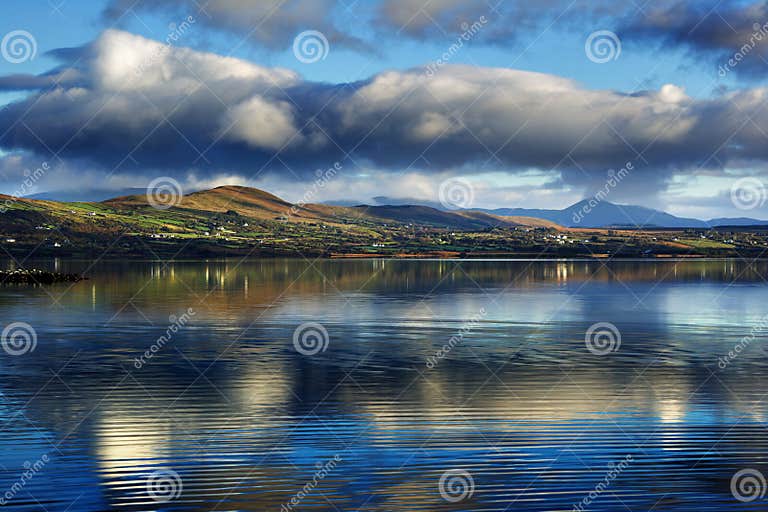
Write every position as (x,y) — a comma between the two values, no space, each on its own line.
(35,276)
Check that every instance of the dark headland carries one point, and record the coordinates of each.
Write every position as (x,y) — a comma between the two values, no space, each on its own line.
(34,276)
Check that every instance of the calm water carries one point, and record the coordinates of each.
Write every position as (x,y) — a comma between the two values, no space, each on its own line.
(232,415)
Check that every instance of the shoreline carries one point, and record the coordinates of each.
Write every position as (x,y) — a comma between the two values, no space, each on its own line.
(381,257)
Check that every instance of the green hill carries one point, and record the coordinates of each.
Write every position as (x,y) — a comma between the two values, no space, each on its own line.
(234,219)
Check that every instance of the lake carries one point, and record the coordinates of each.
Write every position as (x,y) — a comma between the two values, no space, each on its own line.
(380,385)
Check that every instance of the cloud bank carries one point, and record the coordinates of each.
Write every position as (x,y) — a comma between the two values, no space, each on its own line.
(126,104)
(710,29)
(269,23)
(274,23)
(717,31)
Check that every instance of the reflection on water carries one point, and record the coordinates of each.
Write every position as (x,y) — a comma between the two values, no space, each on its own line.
(245,421)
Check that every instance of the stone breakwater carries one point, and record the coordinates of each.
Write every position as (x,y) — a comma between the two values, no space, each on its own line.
(34,276)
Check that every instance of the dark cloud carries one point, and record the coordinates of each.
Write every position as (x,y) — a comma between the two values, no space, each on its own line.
(139,106)
(273,24)
(269,23)
(719,31)
(507,21)
(22,82)
(713,29)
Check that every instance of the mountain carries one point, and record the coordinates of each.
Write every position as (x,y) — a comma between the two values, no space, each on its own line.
(583,214)
(736,222)
(249,202)
(85,195)
(209,210)
(605,214)
(258,204)
(240,220)
(390,201)
(404,201)
(234,220)
(465,220)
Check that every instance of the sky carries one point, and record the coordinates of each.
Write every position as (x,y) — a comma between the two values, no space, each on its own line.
(492,103)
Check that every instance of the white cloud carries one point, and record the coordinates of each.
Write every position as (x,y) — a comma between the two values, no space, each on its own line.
(262,124)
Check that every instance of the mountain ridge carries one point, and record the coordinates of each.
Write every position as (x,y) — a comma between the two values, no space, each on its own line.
(604,214)
(586,213)
(232,220)
(259,204)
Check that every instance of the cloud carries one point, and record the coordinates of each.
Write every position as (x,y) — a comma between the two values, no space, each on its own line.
(435,19)
(421,18)
(711,29)
(269,23)
(138,106)
(717,31)
(143,104)
(273,24)
(23,173)
(262,124)
(419,188)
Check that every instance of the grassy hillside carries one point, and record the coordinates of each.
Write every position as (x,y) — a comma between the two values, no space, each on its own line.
(234,219)
(244,221)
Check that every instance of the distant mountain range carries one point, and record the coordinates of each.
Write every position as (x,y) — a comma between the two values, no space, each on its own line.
(605,214)
(581,214)
(600,215)
(393,201)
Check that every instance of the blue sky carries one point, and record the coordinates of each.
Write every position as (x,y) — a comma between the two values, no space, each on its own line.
(71,23)
(669,55)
